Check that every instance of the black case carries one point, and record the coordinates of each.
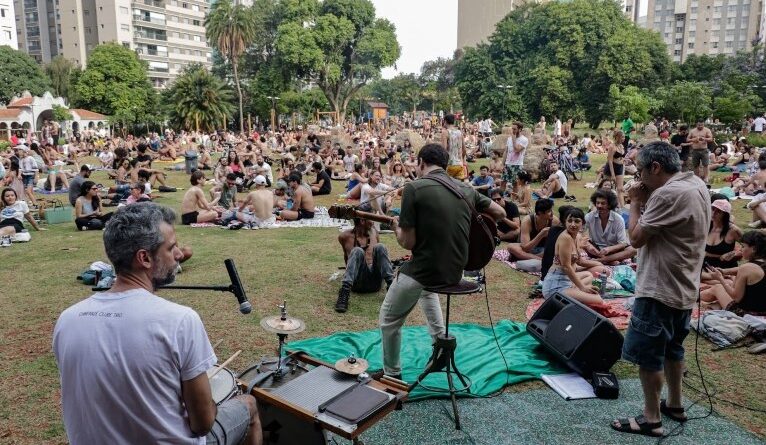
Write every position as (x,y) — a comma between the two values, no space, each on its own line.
(605,385)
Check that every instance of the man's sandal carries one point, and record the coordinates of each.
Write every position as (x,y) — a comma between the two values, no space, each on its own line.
(673,413)
(645,428)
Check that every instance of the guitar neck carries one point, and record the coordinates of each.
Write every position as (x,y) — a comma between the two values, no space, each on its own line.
(373,217)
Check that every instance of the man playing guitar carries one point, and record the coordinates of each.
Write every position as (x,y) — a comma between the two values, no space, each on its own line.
(434,224)
(133,365)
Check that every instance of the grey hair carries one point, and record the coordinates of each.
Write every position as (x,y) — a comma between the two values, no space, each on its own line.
(132,228)
(661,153)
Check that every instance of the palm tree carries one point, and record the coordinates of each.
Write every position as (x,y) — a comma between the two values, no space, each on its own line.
(230,28)
(198,100)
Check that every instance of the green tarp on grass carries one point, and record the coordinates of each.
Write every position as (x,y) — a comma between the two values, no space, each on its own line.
(477,355)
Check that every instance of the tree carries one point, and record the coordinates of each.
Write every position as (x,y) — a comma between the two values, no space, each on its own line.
(115,84)
(61,114)
(198,100)
(562,57)
(20,73)
(685,101)
(337,44)
(732,106)
(231,29)
(59,70)
(700,68)
(630,101)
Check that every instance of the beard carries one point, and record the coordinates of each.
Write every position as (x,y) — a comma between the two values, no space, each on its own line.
(164,276)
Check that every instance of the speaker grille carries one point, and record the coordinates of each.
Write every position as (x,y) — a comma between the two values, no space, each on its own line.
(569,328)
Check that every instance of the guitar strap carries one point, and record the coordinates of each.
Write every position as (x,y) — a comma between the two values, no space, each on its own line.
(459,193)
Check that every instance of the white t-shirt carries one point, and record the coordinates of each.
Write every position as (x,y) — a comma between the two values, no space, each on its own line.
(16,211)
(367,188)
(348,162)
(106,157)
(122,358)
(758,123)
(267,171)
(557,128)
(514,157)
(563,180)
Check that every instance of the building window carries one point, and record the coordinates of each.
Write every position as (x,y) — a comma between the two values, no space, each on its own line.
(124,10)
(194,22)
(714,44)
(126,44)
(691,45)
(125,27)
(2,12)
(677,52)
(197,38)
(679,41)
(195,8)
(679,29)
(85,12)
(8,35)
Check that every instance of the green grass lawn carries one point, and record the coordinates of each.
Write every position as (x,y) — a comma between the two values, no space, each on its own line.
(38,282)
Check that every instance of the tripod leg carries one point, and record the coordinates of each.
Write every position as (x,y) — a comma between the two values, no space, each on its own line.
(433,365)
(454,398)
(458,373)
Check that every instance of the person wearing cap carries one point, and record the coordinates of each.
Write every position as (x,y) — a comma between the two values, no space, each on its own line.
(76,183)
(720,250)
(257,207)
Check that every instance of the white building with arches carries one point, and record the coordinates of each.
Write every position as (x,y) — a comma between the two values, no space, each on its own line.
(27,113)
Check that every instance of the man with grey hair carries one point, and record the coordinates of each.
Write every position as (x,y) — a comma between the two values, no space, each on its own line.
(138,362)
(671,236)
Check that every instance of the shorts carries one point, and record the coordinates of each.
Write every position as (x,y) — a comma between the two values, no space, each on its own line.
(656,333)
(556,281)
(305,214)
(189,218)
(511,172)
(700,156)
(12,222)
(618,169)
(231,423)
(456,171)
(28,180)
(560,193)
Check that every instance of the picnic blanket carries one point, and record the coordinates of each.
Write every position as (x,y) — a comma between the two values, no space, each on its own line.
(176,161)
(504,256)
(615,310)
(48,192)
(477,355)
(321,219)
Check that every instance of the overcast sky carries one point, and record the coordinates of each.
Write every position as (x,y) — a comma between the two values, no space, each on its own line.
(426,29)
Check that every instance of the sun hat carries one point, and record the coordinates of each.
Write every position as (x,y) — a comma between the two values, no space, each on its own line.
(722,205)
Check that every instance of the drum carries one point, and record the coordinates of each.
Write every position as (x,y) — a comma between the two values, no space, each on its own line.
(223,385)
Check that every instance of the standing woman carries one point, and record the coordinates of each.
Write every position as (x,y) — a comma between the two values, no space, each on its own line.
(615,153)
(11,213)
(89,214)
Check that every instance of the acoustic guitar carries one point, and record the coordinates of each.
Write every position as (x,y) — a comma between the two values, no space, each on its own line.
(481,238)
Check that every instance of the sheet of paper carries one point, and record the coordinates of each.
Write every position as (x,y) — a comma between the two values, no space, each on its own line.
(570,386)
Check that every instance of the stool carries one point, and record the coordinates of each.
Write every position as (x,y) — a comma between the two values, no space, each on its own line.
(443,357)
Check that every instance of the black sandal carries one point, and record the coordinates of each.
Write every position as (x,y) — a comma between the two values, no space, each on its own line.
(673,412)
(644,428)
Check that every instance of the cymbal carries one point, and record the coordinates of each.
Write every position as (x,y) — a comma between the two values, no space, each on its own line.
(352,365)
(276,325)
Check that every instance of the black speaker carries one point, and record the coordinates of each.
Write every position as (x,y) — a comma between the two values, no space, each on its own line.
(576,335)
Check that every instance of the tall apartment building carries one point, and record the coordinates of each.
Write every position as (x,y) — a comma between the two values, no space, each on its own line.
(706,26)
(37,28)
(476,19)
(8,34)
(167,34)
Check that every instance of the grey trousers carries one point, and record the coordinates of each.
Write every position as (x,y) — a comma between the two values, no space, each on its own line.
(364,278)
(400,299)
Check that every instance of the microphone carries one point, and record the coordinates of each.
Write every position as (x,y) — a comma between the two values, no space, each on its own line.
(236,287)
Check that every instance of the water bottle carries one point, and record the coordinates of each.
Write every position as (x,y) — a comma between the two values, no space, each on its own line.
(602,283)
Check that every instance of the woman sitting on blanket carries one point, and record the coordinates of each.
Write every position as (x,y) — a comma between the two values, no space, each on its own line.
(563,277)
(12,212)
(747,294)
(89,213)
(358,178)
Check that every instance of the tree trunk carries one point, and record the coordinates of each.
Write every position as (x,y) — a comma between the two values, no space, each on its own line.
(239,94)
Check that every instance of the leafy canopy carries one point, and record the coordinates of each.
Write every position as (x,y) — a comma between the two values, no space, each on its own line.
(18,73)
(198,99)
(115,84)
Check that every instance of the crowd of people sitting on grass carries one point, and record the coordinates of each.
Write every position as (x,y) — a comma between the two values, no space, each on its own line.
(259,178)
